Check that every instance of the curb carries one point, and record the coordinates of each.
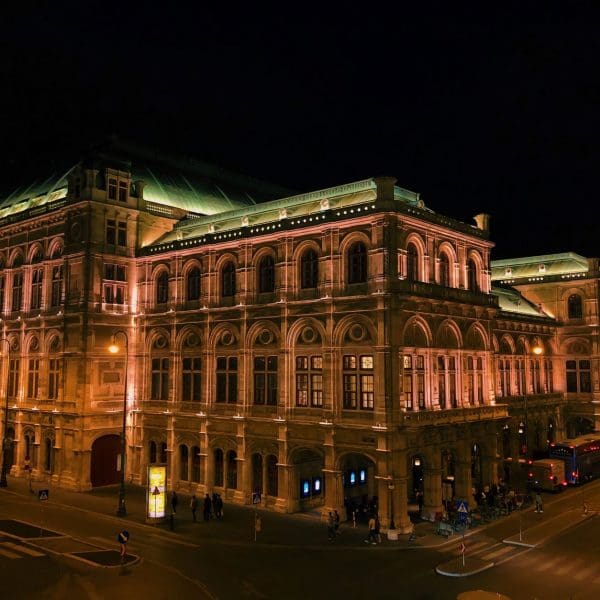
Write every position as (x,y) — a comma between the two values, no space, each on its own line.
(439,570)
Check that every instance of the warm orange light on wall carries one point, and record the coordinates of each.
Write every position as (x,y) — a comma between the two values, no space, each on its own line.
(113,349)
(537,350)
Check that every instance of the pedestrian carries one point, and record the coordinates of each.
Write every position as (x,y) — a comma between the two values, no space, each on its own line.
(214,505)
(420,501)
(354,516)
(377,529)
(174,502)
(218,507)
(330,527)
(123,538)
(207,507)
(336,522)
(538,503)
(194,506)
(372,536)
(348,507)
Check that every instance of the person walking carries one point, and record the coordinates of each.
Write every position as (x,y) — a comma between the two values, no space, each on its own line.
(174,502)
(336,523)
(207,507)
(218,507)
(371,539)
(539,508)
(419,496)
(377,532)
(330,527)
(194,506)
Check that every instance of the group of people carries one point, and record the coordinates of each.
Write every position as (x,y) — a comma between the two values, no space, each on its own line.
(501,495)
(212,508)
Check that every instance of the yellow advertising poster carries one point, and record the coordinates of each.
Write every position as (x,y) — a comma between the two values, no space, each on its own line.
(157,491)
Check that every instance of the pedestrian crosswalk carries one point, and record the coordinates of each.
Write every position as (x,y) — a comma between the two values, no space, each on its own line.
(529,559)
(14,551)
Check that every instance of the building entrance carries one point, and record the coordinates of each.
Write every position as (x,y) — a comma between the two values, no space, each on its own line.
(105,451)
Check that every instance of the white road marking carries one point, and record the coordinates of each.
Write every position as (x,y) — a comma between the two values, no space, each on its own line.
(548,564)
(498,553)
(23,549)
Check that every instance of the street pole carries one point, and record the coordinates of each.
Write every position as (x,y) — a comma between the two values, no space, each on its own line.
(5,441)
(114,348)
(391,488)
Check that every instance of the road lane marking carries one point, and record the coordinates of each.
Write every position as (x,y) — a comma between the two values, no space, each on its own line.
(572,565)
(9,554)
(23,549)
(498,553)
(544,566)
(585,573)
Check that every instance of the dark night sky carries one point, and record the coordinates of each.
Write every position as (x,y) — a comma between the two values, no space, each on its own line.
(494,112)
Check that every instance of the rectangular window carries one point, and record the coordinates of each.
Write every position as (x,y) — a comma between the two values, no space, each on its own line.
(17,291)
(358,382)
(37,277)
(123,191)
(53,378)
(309,381)
(265,380)
(56,292)
(579,376)
(413,381)
(33,378)
(548,374)
(116,233)
(227,379)
(114,288)
(112,189)
(13,377)
(190,384)
(2,294)
(160,379)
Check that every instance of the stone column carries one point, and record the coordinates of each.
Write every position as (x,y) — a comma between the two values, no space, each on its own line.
(400,495)
(432,492)
(463,489)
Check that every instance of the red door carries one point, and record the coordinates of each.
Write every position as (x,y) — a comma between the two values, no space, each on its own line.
(105,451)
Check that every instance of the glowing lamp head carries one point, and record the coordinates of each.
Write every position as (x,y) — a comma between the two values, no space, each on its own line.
(537,350)
(114,348)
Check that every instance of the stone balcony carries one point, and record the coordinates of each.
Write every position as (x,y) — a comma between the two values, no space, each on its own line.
(468,414)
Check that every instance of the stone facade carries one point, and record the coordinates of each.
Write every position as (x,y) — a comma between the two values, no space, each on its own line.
(341,344)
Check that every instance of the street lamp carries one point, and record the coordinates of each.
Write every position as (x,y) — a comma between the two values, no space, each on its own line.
(5,441)
(114,348)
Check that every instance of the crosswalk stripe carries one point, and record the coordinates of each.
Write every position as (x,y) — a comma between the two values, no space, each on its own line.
(545,565)
(572,566)
(23,549)
(9,554)
(584,573)
(473,547)
(497,553)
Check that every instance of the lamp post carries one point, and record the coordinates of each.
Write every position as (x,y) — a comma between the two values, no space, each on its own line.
(5,442)
(114,348)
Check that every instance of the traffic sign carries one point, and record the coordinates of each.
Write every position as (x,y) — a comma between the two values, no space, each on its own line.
(156,491)
(462,506)
(43,494)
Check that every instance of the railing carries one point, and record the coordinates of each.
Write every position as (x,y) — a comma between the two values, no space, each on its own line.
(531,400)
(455,415)
(432,290)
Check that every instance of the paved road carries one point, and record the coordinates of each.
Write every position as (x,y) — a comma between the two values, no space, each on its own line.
(292,558)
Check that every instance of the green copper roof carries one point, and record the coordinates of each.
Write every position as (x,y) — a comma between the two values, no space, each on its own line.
(187,184)
(533,267)
(511,301)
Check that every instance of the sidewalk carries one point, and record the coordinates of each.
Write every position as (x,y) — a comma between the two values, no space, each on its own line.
(236,527)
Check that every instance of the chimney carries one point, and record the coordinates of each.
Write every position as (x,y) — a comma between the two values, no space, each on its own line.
(483,221)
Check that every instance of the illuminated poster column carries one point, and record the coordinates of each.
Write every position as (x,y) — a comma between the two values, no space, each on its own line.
(156,492)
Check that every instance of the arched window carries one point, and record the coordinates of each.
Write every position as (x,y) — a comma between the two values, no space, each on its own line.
(575,307)
(193,284)
(357,263)
(162,288)
(228,280)
(309,270)
(473,282)
(272,476)
(266,275)
(152,453)
(219,467)
(163,453)
(48,462)
(232,470)
(412,263)
(183,462)
(196,464)
(444,270)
